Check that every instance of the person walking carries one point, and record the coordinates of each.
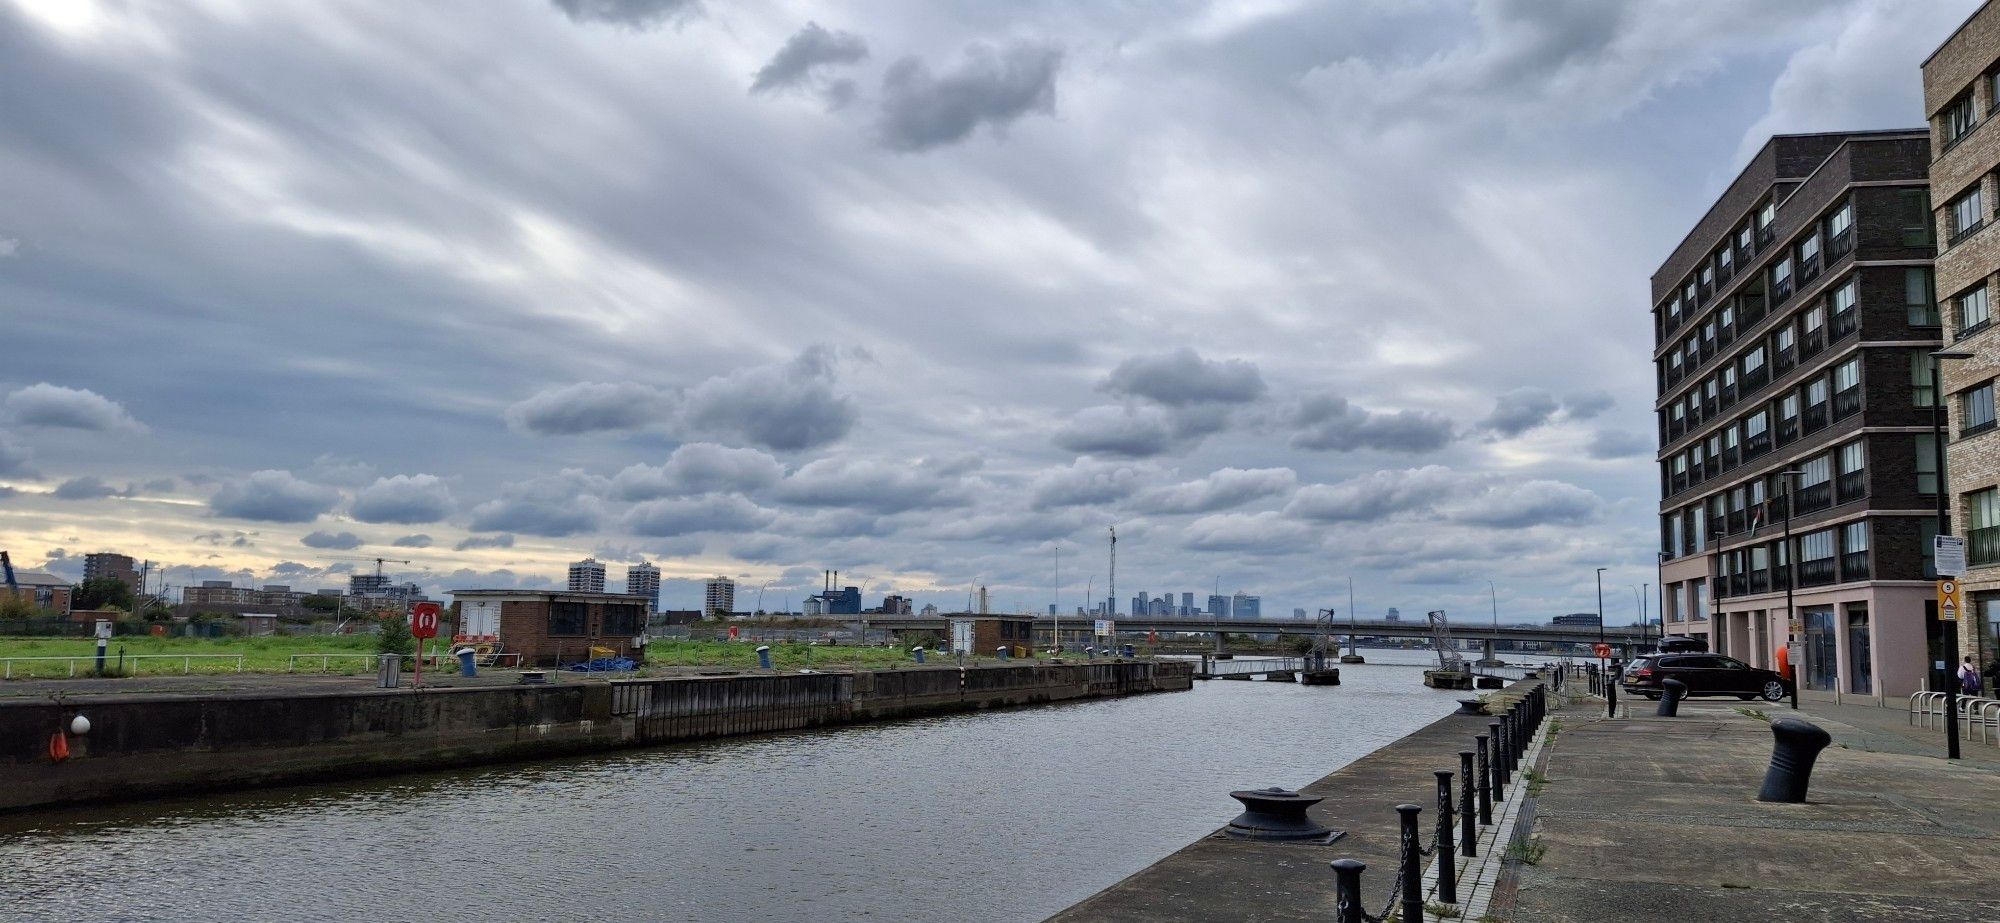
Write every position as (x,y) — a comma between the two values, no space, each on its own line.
(1968,677)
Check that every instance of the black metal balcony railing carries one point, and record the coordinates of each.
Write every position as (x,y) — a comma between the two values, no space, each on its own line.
(1964,232)
(1781,289)
(1982,546)
(1853,485)
(1816,573)
(1739,584)
(1724,273)
(1788,430)
(1846,322)
(1811,344)
(1760,581)
(1817,497)
(1808,269)
(1838,245)
(1815,418)
(1784,361)
(1847,403)
(1729,395)
(1731,457)
(1764,236)
(1774,509)
(1757,445)
(1854,565)
(1737,521)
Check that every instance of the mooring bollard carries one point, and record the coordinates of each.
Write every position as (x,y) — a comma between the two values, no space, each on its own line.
(1610,700)
(918,652)
(1446,865)
(1794,748)
(1347,890)
(1468,835)
(764,656)
(1412,868)
(1484,784)
(1499,732)
(1672,691)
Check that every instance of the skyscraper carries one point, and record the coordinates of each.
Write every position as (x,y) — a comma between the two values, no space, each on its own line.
(1244,606)
(1187,604)
(586,576)
(1218,607)
(643,579)
(718,597)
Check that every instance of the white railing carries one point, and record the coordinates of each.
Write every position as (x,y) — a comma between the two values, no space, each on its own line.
(187,661)
(439,660)
(292,662)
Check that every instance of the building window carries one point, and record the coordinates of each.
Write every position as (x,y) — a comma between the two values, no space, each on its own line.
(1974,312)
(1753,360)
(1725,259)
(1920,297)
(1958,118)
(1982,526)
(1926,449)
(1809,253)
(1838,222)
(1781,279)
(1916,211)
(1966,214)
(1854,551)
(1921,392)
(624,621)
(1860,660)
(1847,388)
(1766,215)
(1816,392)
(1814,319)
(568,618)
(1814,471)
(1976,412)
(1816,551)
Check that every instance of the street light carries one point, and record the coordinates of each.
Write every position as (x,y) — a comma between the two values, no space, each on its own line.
(1944,527)
(1791,579)
(1600,604)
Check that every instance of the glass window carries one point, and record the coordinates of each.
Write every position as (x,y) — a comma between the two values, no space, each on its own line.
(1977,412)
(1973,310)
(1809,249)
(1729,437)
(1728,315)
(1852,458)
(1847,375)
(1756,424)
(1700,528)
(1743,238)
(1786,337)
(1916,210)
(1926,450)
(1707,276)
(1854,536)
(1860,660)
(1815,471)
(1816,392)
(1843,298)
(568,618)
(1789,407)
(1814,318)
(1816,546)
(1957,118)
(1838,223)
(1920,297)
(1766,215)
(1921,394)
(1781,271)
(1982,509)
(1753,360)
(1728,376)
(1687,292)
(1966,213)
(1725,257)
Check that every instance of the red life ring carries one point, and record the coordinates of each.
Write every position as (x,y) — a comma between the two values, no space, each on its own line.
(58,747)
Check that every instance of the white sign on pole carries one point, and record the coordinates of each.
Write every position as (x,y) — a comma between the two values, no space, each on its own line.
(1104,628)
(1949,552)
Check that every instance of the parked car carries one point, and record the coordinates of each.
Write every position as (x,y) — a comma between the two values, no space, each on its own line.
(1704,674)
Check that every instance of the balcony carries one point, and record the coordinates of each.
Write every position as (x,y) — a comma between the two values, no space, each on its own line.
(1786,360)
(1815,418)
(1764,237)
(1847,403)
(1756,378)
(1788,430)
(1724,273)
(1739,584)
(1846,322)
(1781,289)
(1760,581)
(1854,565)
(1982,546)
(1839,245)
(1817,497)
(1738,521)
(1811,344)
(1853,485)
(1965,232)
(1808,269)
(1757,445)
(1816,573)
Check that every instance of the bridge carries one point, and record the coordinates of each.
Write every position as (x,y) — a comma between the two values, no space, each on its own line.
(1623,638)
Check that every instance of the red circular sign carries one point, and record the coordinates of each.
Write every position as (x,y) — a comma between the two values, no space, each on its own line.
(1603,651)
(424,620)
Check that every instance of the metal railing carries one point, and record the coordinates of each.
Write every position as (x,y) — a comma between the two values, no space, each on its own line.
(90,660)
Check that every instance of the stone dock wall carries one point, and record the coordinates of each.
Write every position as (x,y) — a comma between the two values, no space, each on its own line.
(155,745)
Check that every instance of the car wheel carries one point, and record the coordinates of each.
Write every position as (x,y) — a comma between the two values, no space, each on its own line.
(1774,691)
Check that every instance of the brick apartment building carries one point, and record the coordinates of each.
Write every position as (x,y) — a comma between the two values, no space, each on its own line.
(549,627)
(99,564)
(1792,328)
(1960,99)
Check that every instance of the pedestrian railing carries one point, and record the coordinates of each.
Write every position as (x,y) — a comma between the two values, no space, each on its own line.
(1925,705)
(136,662)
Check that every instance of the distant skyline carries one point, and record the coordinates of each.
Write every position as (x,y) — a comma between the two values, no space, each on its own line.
(922,292)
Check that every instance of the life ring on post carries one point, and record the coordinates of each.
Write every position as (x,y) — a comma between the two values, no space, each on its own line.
(58,746)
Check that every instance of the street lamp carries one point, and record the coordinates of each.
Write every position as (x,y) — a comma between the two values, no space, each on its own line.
(1600,604)
(1791,579)
(1944,526)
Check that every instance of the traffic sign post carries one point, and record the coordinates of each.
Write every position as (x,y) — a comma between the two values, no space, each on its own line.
(423,627)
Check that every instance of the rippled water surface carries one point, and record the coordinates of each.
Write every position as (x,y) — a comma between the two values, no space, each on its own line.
(1007,815)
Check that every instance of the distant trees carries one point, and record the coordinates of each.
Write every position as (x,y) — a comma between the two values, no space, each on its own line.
(395,637)
(103,593)
(320,603)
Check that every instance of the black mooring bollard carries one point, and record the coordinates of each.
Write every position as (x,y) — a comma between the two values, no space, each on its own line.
(1610,700)
(1412,868)
(1672,691)
(1794,749)
(1499,731)
(1446,865)
(1468,835)
(1347,890)
(1484,784)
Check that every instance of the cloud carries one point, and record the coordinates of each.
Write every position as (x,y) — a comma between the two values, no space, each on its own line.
(1125,432)
(1587,404)
(1504,505)
(219,538)
(993,86)
(14,457)
(1220,490)
(631,14)
(1087,482)
(555,505)
(810,49)
(683,516)
(273,496)
(9,246)
(866,484)
(1183,377)
(1267,532)
(334,540)
(697,468)
(88,487)
(418,540)
(472,542)
(1520,410)
(590,407)
(1607,444)
(57,407)
(788,407)
(1376,495)
(1330,423)
(403,499)
(1439,493)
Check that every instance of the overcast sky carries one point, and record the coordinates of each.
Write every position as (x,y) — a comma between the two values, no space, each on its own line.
(923,292)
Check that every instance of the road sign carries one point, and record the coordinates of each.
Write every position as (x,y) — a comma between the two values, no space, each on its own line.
(1949,552)
(1602,650)
(424,620)
(1948,600)
(1104,628)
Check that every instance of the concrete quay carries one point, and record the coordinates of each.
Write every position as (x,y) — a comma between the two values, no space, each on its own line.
(1656,818)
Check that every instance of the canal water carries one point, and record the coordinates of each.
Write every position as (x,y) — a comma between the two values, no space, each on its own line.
(1009,815)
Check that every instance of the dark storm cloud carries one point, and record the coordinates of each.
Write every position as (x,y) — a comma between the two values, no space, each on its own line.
(811,47)
(632,14)
(1608,444)
(84,488)
(273,496)
(788,408)
(1329,423)
(1120,431)
(333,540)
(473,542)
(1183,377)
(403,499)
(590,407)
(418,540)
(556,505)
(990,85)
(56,407)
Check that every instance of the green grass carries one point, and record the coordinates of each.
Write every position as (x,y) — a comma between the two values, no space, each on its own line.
(784,655)
(1528,853)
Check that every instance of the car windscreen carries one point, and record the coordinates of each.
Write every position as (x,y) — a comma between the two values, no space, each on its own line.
(1640,663)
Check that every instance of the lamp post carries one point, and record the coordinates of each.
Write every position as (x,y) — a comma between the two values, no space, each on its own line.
(1791,579)
(1944,528)
(1600,604)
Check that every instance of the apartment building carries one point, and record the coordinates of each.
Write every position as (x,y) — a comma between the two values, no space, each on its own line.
(101,564)
(1960,83)
(1792,331)
(586,576)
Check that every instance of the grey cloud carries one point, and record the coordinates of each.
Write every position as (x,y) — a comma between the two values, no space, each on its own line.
(57,407)
(1220,490)
(1330,423)
(1587,404)
(1437,492)
(218,538)
(1087,482)
(1011,528)
(1520,410)
(590,407)
(273,496)
(1373,496)
(684,516)
(865,484)
(790,407)
(1267,532)
(7,493)
(811,47)
(632,14)
(334,540)
(88,487)
(1530,503)
(556,505)
(1607,444)
(341,472)
(14,457)
(1121,431)
(990,86)
(403,499)
(418,540)
(696,468)
(472,542)
(1183,377)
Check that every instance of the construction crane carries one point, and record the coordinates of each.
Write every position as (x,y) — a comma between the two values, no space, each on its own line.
(381,561)
(7,570)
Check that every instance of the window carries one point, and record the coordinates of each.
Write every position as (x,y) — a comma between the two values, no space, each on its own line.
(1966,214)
(624,621)
(1753,360)
(1926,451)
(1725,258)
(1743,237)
(1815,471)
(1982,526)
(1729,437)
(568,618)
(1781,278)
(1707,277)
(1700,530)
(1921,393)
(1687,293)
(1814,319)
(1974,312)
(1816,546)
(1919,296)
(1957,119)
(1809,250)
(1852,458)
(1786,337)
(1728,376)
(1766,215)
(1756,425)
(1728,315)
(1847,375)
(1788,409)
(1976,411)
(1915,207)
(1838,222)
(1843,298)
(1816,392)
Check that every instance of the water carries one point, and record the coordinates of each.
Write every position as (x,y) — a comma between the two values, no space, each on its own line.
(1008,815)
